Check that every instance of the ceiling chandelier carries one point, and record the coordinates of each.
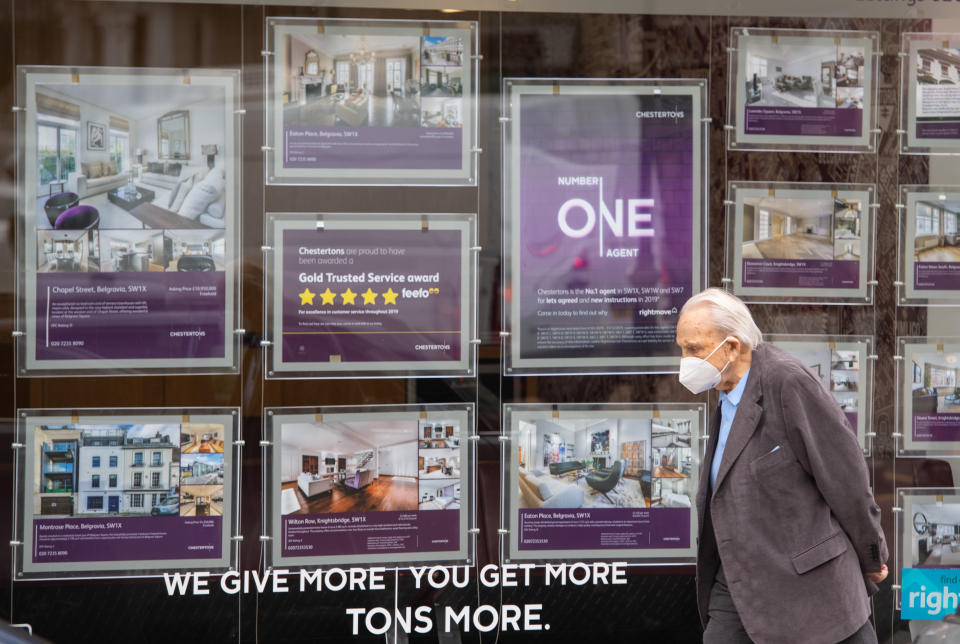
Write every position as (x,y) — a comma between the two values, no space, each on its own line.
(362,55)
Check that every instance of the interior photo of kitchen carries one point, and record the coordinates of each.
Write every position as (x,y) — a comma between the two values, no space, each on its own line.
(193,250)
(137,251)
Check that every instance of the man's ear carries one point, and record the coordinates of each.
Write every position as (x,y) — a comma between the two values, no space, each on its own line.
(736,347)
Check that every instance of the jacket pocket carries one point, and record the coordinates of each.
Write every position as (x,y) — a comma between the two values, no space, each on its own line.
(771,460)
(828,549)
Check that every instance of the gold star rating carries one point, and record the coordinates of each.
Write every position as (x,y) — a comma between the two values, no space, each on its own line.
(349,297)
(389,297)
(328,297)
(369,297)
(306,297)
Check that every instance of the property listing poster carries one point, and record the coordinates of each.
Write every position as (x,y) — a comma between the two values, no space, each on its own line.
(801,240)
(130,208)
(803,89)
(931,78)
(354,486)
(929,557)
(125,494)
(930,395)
(842,366)
(604,223)
(372,294)
(372,101)
(931,236)
(603,481)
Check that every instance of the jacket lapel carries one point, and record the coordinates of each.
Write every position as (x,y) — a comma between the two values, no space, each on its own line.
(704,483)
(747,418)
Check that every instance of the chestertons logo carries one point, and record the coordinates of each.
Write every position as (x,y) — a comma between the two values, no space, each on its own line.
(628,218)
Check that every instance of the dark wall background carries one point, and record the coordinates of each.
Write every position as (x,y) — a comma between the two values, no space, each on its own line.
(659,601)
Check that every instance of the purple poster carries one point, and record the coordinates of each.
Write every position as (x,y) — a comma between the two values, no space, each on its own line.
(372,101)
(805,239)
(388,485)
(383,298)
(605,228)
(144,494)
(595,483)
(129,251)
(802,88)
(931,382)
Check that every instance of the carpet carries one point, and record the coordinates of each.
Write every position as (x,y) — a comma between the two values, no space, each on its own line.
(288,502)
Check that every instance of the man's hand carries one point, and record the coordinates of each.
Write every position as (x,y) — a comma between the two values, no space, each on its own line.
(877,577)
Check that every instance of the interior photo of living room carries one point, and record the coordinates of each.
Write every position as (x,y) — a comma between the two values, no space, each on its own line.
(936,232)
(791,75)
(934,384)
(115,156)
(68,251)
(799,228)
(935,535)
(610,462)
(193,250)
(137,251)
(360,466)
(351,80)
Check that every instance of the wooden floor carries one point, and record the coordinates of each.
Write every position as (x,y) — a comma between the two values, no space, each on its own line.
(387,493)
(794,246)
(944,254)
(664,473)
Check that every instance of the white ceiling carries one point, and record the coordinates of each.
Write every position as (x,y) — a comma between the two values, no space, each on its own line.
(799,208)
(62,235)
(952,206)
(345,438)
(334,45)
(140,101)
(946,360)
(946,513)
(194,236)
(792,53)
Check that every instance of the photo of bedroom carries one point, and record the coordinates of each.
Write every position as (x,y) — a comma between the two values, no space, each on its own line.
(935,386)
(68,251)
(193,250)
(937,230)
(604,463)
(159,165)
(137,251)
(801,228)
(439,494)
(793,75)
(935,535)
(351,80)
(440,112)
(359,466)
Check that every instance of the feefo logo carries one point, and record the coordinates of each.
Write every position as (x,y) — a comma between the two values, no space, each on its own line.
(630,217)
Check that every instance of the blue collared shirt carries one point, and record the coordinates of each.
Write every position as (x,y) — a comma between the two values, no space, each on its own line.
(728,409)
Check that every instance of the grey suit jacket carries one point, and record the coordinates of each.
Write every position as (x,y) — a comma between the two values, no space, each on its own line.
(796,526)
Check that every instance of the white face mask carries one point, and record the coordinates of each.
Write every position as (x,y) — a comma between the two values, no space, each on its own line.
(698,375)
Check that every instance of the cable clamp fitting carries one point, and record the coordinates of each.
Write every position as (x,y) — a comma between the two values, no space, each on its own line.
(16,543)
(240,443)
(17,108)
(239,331)
(475,437)
(264,538)
(898,357)
(729,127)
(504,334)
(896,508)
(874,206)
(265,343)
(17,445)
(476,57)
(266,249)
(727,202)
(17,334)
(266,52)
(872,356)
(502,531)
(503,438)
(706,119)
(871,434)
(476,150)
(236,537)
(505,119)
(241,111)
(265,148)
(476,341)
(731,50)
(265,443)
(476,249)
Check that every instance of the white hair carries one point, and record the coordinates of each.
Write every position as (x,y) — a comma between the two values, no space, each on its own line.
(729,314)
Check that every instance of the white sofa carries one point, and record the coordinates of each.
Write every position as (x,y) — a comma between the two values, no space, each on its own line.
(311,486)
(360,479)
(84,184)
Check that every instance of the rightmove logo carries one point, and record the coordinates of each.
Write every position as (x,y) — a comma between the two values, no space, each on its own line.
(929,593)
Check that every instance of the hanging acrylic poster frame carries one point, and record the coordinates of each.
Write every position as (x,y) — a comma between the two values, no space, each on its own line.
(839,362)
(929,114)
(928,408)
(142,289)
(631,178)
(773,110)
(325,320)
(550,511)
(916,524)
(422,532)
(93,453)
(318,129)
(936,280)
(820,266)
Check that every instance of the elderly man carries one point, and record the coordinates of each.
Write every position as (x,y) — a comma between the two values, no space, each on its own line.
(790,544)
